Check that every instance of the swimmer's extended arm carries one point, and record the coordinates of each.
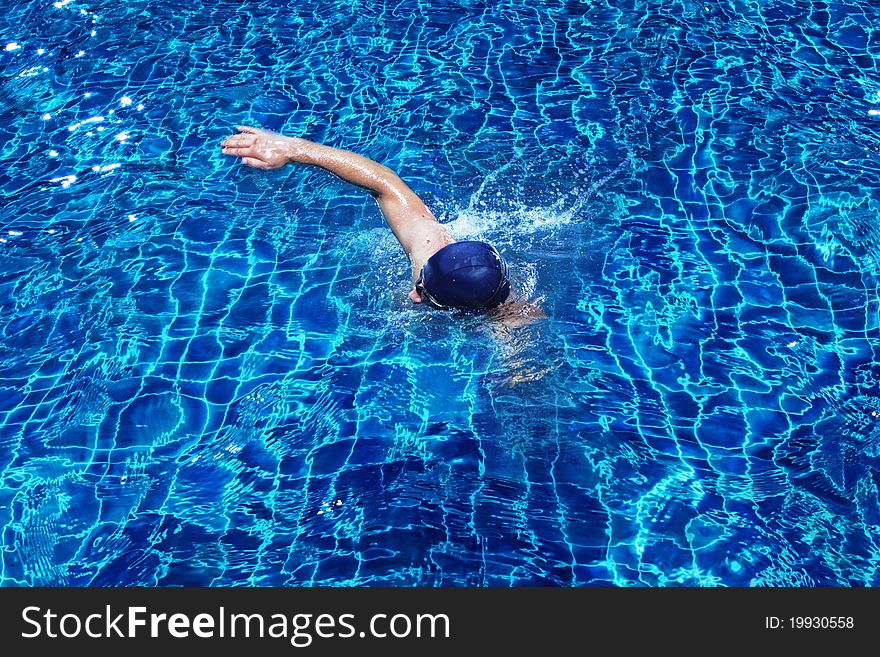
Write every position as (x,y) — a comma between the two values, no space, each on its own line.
(415,227)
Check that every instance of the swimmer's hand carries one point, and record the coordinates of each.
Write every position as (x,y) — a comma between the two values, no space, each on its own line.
(261,149)
(515,314)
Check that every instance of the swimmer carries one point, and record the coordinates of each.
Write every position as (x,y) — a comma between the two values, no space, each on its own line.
(446,274)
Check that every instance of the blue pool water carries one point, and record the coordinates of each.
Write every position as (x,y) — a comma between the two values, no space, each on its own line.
(211,375)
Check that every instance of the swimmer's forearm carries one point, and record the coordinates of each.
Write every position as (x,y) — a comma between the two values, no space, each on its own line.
(350,167)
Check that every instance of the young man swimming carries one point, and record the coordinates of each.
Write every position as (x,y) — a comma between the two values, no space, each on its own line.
(446,273)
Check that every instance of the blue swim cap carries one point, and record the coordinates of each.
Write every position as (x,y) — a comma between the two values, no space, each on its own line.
(466,275)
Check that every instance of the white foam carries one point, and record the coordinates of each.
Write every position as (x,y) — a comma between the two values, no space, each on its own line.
(482,219)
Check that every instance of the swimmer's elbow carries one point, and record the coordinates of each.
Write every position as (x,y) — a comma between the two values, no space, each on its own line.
(382,190)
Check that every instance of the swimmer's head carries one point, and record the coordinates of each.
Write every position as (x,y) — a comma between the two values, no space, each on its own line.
(467,275)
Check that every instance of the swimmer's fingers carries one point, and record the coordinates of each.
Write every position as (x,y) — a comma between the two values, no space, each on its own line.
(238,141)
(248,129)
(243,145)
(254,162)
(240,151)
(249,156)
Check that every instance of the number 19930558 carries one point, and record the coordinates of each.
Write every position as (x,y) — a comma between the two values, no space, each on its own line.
(809,623)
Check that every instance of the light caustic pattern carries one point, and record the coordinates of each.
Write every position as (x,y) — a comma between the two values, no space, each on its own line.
(211,375)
